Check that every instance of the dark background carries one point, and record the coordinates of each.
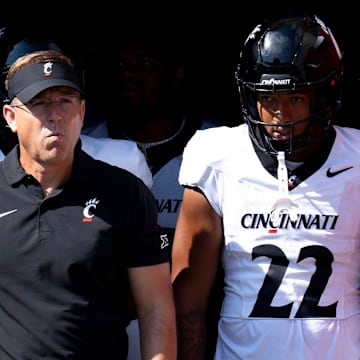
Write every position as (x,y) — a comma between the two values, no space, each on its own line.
(208,37)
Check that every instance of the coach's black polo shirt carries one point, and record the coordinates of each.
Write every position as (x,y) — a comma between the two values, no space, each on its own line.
(63,260)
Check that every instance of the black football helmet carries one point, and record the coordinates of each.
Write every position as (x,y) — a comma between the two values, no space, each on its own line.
(290,54)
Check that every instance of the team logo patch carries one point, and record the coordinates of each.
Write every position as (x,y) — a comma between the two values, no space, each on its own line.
(164,241)
(89,209)
(48,69)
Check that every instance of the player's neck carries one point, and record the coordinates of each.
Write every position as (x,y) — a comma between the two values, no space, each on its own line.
(156,130)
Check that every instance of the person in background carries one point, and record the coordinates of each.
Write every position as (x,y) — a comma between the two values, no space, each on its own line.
(151,82)
(276,198)
(12,47)
(149,86)
(76,233)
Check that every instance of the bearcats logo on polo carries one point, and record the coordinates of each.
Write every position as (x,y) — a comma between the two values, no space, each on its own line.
(89,208)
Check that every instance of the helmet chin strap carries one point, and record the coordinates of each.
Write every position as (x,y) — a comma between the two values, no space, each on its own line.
(283,205)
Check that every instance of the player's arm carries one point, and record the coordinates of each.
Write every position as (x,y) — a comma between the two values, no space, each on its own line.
(195,254)
(152,291)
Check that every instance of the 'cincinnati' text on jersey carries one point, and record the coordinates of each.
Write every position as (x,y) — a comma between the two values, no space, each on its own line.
(306,221)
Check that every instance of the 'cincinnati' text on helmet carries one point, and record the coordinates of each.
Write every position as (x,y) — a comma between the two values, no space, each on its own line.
(273,81)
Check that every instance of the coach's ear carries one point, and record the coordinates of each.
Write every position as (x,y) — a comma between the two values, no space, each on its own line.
(9,114)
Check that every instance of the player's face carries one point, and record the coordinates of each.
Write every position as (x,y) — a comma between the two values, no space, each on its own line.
(285,113)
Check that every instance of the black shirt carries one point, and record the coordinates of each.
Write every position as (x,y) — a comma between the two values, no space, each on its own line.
(64,259)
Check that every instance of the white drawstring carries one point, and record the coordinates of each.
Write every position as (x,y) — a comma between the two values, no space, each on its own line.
(283,204)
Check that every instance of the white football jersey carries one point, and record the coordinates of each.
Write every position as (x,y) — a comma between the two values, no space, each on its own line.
(292,286)
(118,152)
